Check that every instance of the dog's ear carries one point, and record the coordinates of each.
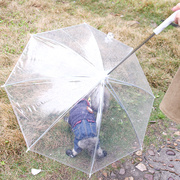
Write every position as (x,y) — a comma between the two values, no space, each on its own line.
(95,100)
(106,100)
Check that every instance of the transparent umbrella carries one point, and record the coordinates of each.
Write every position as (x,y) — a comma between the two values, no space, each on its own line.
(61,69)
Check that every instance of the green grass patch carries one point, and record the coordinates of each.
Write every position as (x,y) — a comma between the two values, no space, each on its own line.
(159,59)
(144,11)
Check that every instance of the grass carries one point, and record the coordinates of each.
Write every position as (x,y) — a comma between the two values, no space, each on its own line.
(130,21)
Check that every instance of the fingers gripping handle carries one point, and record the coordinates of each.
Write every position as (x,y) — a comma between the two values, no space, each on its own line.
(166,23)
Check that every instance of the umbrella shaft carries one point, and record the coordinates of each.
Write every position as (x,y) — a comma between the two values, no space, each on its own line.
(132,52)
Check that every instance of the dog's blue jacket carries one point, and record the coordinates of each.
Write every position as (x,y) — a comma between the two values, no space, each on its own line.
(81,111)
(82,121)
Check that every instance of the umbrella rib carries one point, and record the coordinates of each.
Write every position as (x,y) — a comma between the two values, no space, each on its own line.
(121,104)
(96,43)
(17,116)
(129,84)
(14,67)
(53,124)
(63,162)
(54,41)
(29,80)
(117,159)
(80,46)
(99,117)
(132,52)
(19,121)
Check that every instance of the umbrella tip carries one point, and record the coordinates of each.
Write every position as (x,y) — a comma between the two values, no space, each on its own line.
(103,75)
(90,175)
(27,150)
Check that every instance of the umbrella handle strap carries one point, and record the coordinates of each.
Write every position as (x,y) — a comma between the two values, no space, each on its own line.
(166,23)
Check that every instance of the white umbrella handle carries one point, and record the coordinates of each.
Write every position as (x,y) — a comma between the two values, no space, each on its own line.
(156,31)
(166,23)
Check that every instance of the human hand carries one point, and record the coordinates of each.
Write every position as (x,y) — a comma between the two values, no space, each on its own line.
(177,18)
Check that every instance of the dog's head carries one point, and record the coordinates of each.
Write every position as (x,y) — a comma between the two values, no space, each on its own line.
(95,99)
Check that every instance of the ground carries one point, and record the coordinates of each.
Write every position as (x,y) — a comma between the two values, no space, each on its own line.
(156,163)
(131,21)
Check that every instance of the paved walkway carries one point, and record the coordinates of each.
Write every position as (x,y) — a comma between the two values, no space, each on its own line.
(162,163)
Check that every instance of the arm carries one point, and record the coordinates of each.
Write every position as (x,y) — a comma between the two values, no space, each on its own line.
(177,18)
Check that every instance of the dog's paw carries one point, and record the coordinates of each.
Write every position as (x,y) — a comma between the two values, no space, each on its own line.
(104,153)
(66,118)
(69,153)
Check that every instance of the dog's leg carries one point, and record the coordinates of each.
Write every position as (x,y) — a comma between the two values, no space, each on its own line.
(101,153)
(71,153)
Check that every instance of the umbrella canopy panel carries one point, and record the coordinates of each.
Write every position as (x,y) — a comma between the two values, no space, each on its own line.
(57,70)
(116,134)
(48,78)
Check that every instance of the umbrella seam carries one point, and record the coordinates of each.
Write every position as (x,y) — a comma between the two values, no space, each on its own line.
(100,117)
(53,124)
(30,80)
(96,44)
(129,84)
(121,104)
(17,117)
(117,159)
(63,162)
(17,62)
(86,60)
(132,52)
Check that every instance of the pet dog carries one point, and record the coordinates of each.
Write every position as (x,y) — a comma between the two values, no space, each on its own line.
(82,119)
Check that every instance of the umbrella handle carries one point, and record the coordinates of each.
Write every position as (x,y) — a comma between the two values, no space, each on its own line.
(166,23)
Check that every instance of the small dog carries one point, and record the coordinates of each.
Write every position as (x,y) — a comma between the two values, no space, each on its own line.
(82,118)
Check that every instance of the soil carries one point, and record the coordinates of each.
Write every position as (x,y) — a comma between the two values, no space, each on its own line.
(156,163)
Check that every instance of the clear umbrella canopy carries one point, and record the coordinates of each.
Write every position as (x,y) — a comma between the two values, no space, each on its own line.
(57,70)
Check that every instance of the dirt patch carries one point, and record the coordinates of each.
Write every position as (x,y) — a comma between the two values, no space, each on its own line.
(154,164)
